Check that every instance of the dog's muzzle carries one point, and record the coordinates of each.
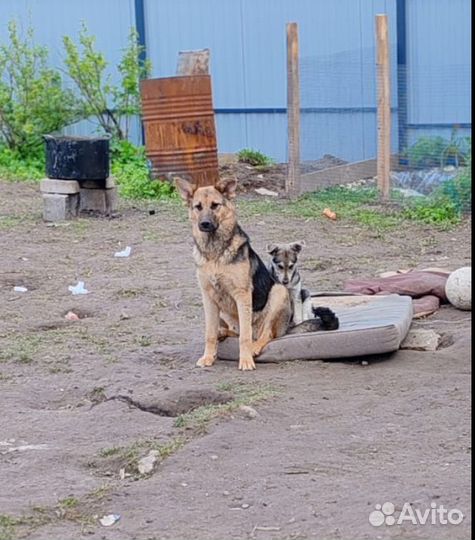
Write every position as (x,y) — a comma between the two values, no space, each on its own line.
(207,226)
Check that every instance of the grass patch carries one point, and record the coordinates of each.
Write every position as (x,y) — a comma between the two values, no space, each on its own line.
(130,293)
(243,394)
(97,395)
(82,511)
(10,222)
(7,527)
(68,502)
(12,527)
(108,452)
(143,341)
(22,351)
(362,206)
(127,457)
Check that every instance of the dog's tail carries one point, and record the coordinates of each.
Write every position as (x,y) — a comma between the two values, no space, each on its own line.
(324,319)
(329,319)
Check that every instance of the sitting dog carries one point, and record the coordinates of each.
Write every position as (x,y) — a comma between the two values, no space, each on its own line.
(240,297)
(283,268)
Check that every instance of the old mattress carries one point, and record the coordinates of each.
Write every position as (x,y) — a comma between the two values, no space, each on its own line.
(368,325)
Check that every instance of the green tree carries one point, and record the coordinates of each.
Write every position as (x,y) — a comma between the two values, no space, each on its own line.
(111,105)
(33,100)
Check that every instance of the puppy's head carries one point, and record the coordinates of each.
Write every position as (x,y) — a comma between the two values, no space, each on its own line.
(210,207)
(284,260)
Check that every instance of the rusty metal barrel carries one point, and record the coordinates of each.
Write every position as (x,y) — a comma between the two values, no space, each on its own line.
(180,132)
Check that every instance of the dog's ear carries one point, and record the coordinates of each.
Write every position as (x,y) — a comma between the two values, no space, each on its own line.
(227,187)
(272,249)
(297,246)
(185,189)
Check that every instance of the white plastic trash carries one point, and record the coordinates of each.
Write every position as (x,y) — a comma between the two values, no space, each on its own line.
(78,289)
(124,253)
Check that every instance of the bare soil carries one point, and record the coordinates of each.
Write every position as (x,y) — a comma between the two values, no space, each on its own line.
(82,400)
(272,177)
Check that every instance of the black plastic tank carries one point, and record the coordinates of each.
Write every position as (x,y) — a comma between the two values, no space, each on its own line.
(77,158)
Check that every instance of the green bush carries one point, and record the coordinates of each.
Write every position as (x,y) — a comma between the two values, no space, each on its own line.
(438,152)
(254,158)
(32,98)
(434,210)
(111,105)
(426,152)
(459,190)
(14,166)
(456,151)
(131,170)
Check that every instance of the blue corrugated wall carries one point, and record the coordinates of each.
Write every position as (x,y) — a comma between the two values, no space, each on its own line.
(438,67)
(248,62)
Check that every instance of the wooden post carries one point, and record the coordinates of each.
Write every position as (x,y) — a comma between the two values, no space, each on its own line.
(292,186)
(384,106)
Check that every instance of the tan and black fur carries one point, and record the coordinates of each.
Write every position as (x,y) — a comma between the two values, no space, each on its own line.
(240,297)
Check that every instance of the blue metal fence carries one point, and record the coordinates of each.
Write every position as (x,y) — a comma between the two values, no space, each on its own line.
(431,62)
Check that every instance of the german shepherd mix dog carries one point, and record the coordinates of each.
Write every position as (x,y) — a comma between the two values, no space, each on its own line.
(240,297)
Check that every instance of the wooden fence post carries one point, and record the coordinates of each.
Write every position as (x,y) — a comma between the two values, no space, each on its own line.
(384,106)
(292,186)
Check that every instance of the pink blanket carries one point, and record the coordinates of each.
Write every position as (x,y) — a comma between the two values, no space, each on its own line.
(426,288)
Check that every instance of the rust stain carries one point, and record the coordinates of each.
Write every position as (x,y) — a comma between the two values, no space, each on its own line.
(179,125)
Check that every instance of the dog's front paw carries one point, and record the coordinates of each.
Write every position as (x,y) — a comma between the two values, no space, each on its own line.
(206,361)
(257,348)
(246,363)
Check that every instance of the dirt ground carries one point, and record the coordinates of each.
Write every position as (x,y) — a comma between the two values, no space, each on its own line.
(272,177)
(81,401)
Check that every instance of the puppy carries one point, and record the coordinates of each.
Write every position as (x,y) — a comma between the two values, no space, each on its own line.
(283,268)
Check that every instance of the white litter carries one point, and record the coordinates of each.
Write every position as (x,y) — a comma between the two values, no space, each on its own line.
(20,289)
(146,464)
(124,253)
(78,289)
(268,192)
(110,519)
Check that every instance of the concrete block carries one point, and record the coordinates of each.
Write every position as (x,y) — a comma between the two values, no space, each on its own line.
(59,207)
(108,183)
(64,187)
(92,200)
(111,200)
(102,201)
